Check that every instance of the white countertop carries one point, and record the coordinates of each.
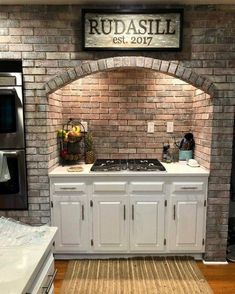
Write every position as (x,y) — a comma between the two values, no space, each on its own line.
(172,169)
(19,265)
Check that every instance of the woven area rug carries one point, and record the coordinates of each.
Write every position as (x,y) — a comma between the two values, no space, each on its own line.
(135,276)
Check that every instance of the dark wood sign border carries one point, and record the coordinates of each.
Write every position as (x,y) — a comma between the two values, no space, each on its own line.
(180,11)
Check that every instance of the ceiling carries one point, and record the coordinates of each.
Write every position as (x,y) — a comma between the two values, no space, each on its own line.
(122,2)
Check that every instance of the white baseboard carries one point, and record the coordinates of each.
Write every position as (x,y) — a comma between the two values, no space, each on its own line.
(214,262)
(64,256)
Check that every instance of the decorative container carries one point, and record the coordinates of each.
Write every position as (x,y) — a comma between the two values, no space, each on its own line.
(71,142)
(185,155)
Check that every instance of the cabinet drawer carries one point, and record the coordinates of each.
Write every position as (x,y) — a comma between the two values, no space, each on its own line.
(109,187)
(68,187)
(185,187)
(44,280)
(147,187)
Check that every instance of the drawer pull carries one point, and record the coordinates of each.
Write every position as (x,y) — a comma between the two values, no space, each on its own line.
(48,288)
(174,212)
(189,188)
(124,212)
(133,212)
(67,188)
(82,212)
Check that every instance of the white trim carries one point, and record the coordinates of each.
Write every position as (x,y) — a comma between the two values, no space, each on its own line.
(214,262)
(64,256)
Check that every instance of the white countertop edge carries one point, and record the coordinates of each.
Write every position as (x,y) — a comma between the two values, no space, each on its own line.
(25,279)
(172,169)
(48,243)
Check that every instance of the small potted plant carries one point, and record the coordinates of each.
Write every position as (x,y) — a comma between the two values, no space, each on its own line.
(89,153)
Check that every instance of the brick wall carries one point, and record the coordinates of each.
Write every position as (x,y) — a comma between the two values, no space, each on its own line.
(47,39)
(55,121)
(118,104)
(202,126)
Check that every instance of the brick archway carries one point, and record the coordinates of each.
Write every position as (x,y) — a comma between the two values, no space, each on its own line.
(171,68)
(168,67)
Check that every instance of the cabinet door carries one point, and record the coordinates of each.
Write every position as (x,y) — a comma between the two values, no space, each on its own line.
(70,215)
(186,223)
(147,223)
(110,224)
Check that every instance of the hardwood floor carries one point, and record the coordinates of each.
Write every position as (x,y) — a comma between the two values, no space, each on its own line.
(220,277)
(61,266)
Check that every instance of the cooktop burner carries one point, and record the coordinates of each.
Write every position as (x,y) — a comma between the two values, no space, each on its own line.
(127,164)
(145,165)
(109,165)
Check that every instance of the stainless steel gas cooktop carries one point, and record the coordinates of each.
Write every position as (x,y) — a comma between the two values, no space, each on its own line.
(105,165)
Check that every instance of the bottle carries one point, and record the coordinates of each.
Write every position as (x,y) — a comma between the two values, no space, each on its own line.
(166,155)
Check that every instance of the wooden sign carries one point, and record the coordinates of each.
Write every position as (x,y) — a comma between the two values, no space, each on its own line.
(135,30)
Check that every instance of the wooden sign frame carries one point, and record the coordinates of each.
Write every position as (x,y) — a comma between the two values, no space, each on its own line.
(135,30)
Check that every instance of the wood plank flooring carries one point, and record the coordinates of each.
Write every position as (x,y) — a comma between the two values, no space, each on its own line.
(220,277)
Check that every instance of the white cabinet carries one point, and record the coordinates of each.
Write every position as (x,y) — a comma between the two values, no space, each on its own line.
(147,224)
(187,217)
(70,215)
(128,218)
(129,214)
(147,216)
(45,278)
(110,224)
(110,204)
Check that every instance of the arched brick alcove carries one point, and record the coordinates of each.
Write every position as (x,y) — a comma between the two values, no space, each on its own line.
(203,104)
